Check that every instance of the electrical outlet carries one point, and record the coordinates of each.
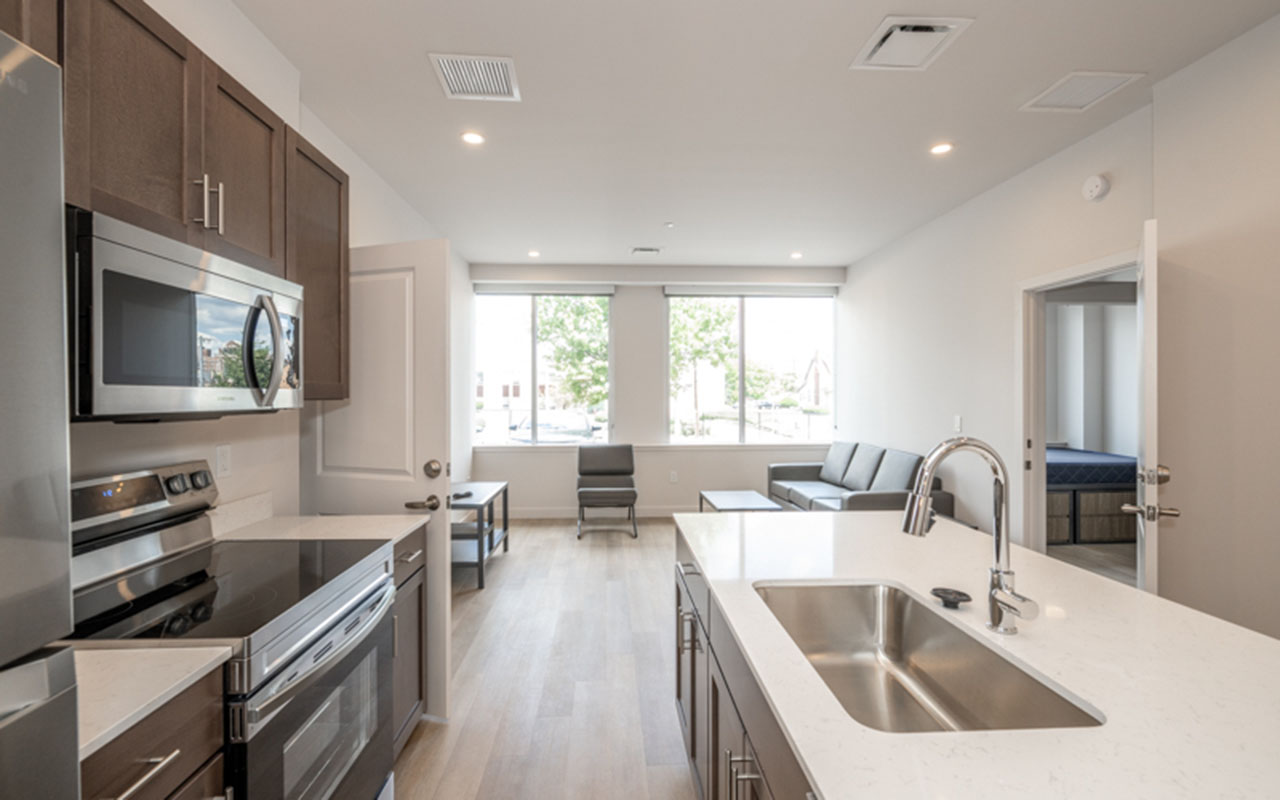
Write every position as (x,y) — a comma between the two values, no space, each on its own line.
(223,459)
(674,478)
(959,423)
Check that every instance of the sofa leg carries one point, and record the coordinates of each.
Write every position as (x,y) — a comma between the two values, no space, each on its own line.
(580,512)
(635,531)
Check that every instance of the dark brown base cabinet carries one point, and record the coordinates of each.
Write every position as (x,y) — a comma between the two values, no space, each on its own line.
(409,671)
(736,748)
(158,135)
(32,22)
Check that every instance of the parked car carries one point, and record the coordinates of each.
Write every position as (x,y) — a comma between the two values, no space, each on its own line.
(557,427)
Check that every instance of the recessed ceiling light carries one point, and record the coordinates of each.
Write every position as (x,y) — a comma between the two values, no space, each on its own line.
(668,225)
(941,148)
(534,254)
(471,137)
(797,255)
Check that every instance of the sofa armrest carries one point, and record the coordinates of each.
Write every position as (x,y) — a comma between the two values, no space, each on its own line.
(944,502)
(794,471)
(892,500)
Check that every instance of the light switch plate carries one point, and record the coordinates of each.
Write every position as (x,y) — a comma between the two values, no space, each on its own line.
(959,423)
(223,458)
(674,478)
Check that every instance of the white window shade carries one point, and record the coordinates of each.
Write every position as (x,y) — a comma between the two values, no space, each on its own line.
(750,291)
(544,288)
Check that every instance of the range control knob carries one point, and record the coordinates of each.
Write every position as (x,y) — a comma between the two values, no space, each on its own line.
(201,479)
(176,484)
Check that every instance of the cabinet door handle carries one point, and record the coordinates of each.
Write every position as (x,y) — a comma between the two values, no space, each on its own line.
(203,219)
(395,636)
(222,209)
(158,765)
(409,558)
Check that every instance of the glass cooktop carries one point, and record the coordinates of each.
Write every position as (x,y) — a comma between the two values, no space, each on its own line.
(241,588)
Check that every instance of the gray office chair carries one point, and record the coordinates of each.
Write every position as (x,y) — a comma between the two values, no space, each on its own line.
(606,479)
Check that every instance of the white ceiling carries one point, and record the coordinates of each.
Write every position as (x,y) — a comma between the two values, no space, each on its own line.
(736,119)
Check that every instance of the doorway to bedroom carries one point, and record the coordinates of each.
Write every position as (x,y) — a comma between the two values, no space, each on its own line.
(1091,426)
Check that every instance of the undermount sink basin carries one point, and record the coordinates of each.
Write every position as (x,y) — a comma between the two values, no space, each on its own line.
(896,664)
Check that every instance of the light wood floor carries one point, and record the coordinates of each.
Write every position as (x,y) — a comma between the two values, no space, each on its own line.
(1116,561)
(563,674)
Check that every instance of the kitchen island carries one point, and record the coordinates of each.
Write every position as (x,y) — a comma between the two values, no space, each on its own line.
(1189,702)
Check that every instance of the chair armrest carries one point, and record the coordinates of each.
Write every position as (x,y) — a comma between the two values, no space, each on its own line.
(795,471)
(892,500)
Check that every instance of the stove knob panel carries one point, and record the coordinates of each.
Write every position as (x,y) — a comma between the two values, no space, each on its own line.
(201,479)
(176,484)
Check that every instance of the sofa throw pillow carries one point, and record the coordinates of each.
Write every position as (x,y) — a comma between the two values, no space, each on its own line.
(837,461)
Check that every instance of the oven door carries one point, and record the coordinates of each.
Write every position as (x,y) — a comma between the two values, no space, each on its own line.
(322,728)
(168,338)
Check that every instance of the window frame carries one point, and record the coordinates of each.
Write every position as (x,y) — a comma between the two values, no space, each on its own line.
(533,362)
(741,297)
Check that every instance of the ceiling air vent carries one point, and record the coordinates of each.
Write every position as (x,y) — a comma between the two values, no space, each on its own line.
(645,251)
(1080,91)
(476,77)
(910,43)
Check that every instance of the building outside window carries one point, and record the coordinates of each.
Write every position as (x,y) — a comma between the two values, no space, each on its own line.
(751,369)
(556,344)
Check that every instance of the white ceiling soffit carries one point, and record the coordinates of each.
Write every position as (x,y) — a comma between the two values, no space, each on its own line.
(1080,91)
(477,77)
(910,43)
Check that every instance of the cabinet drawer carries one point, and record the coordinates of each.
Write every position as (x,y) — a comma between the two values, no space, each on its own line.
(157,754)
(693,579)
(205,784)
(410,554)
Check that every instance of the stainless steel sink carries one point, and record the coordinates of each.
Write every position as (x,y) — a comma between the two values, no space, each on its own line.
(898,665)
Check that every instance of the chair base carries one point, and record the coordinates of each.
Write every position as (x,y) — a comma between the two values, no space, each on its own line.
(631,515)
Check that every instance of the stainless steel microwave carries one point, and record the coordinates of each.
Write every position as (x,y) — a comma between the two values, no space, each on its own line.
(164,330)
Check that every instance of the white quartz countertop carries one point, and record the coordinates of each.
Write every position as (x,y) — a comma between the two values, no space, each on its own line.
(1192,703)
(118,688)
(393,527)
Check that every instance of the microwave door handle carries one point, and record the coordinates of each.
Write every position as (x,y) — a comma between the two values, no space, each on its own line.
(277,336)
(246,351)
(256,713)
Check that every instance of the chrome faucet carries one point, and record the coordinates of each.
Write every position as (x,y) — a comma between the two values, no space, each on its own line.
(1002,601)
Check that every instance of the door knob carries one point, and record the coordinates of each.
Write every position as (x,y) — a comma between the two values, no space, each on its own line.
(1150,513)
(433,468)
(430,504)
(1155,477)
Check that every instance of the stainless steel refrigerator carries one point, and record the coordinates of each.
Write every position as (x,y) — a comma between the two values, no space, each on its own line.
(38,743)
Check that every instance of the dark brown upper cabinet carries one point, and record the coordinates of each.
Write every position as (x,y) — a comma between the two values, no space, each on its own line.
(319,259)
(244,154)
(132,134)
(32,22)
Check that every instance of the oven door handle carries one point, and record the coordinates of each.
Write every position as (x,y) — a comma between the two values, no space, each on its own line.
(277,336)
(256,713)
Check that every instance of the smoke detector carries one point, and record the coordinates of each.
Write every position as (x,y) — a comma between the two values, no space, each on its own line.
(476,77)
(909,43)
(645,251)
(1080,91)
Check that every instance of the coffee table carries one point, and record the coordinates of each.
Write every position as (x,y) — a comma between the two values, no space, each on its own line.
(738,500)
(480,539)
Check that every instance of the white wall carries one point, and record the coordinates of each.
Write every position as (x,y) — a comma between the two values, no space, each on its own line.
(543,478)
(1217,181)
(265,449)
(1091,380)
(926,327)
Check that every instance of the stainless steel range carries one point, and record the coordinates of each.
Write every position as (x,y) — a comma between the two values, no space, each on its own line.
(308,688)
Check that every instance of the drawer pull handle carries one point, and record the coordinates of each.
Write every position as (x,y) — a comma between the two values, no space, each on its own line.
(409,558)
(158,764)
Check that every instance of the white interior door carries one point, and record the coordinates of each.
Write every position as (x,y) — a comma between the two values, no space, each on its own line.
(368,454)
(1150,474)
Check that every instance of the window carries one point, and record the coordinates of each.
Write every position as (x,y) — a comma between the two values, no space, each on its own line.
(751,369)
(542,369)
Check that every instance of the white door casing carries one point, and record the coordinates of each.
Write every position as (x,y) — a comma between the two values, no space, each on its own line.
(366,454)
(1148,410)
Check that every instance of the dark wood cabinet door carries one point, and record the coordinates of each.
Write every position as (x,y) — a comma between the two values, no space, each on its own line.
(244,153)
(206,784)
(726,739)
(318,258)
(132,103)
(32,22)
(408,670)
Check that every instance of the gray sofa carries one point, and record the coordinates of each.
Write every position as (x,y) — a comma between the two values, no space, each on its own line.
(853,477)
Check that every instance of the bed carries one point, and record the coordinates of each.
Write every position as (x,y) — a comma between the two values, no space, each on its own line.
(1085,491)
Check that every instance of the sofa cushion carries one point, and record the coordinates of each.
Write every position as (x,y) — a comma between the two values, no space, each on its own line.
(862,468)
(836,462)
(781,489)
(826,504)
(897,471)
(803,493)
